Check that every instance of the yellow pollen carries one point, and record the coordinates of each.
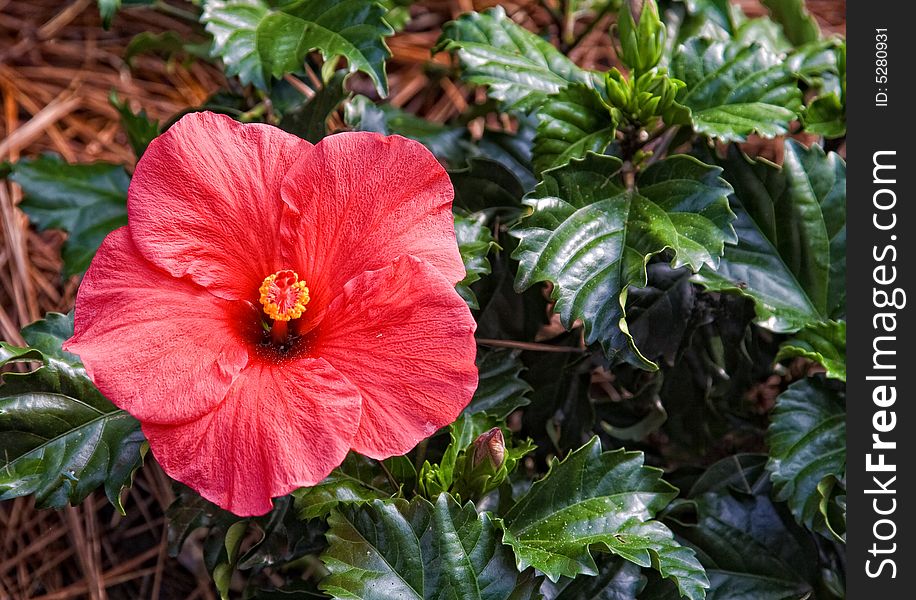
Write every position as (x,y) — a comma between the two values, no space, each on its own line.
(283,296)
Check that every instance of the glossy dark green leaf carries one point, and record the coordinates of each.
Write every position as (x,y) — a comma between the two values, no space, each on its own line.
(749,546)
(475,241)
(48,334)
(519,68)
(340,487)
(140,129)
(807,440)
(500,389)
(734,90)
(573,122)
(60,439)
(659,315)
(599,500)
(88,201)
(591,237)
(824,343)
(617,579)
(418,550)
(444,141)
(791,254)
(800,27)
(310,119)
(486,185)
(257,42)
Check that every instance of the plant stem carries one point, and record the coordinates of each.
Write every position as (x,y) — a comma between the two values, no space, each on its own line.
(532,346)
(391,479)
(175,11)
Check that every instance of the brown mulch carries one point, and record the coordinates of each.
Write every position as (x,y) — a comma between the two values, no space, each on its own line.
(57,69)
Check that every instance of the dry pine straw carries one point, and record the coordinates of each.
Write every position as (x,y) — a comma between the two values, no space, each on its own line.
(57,68)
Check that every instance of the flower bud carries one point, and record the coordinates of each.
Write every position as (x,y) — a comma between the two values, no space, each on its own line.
(642,35)
(490,446)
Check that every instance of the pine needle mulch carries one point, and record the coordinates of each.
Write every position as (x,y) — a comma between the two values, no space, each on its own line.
(57,70)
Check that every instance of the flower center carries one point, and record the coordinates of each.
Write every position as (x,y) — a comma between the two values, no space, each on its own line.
(283,296)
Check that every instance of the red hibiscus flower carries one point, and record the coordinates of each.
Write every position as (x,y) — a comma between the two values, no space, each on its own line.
(273,304)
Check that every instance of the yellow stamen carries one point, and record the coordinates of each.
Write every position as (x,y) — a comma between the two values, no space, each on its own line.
(283,296)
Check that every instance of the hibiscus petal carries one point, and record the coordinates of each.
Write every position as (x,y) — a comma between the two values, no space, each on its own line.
(161,348)
(358,201)
(405,339)
(205,201)
(281,427)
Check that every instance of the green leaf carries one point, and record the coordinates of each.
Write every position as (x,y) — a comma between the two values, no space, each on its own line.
(791,254)
(617,579)
(88,201)
(418,550)
(591,237)
(660,315)
(826,116)
(573,121)
(48,334)
(257,42)
(519,68)
(500,389)
(310,119)
(475,240)
(601,500)
(749,548)
(60,439)
(717,11)
(109,8)
(734,90)
(486,185)
(342,486)
(798,24)
(824,343)
(807,440)
(444,141)
(140,129)
(167,43)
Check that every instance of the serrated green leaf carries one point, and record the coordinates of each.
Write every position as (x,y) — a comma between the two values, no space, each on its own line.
(519,68)
(257,42)
(591,237)
(807,441)
(500,389)
(824,343)
(791,254)
(603,500)
(60,439)
(309,120)
(337,489)
(88,201)
(140,129)
(750,549)
(475,241)
(420,550)
(825,116)
(734,90)
(798,24)
(573,122)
